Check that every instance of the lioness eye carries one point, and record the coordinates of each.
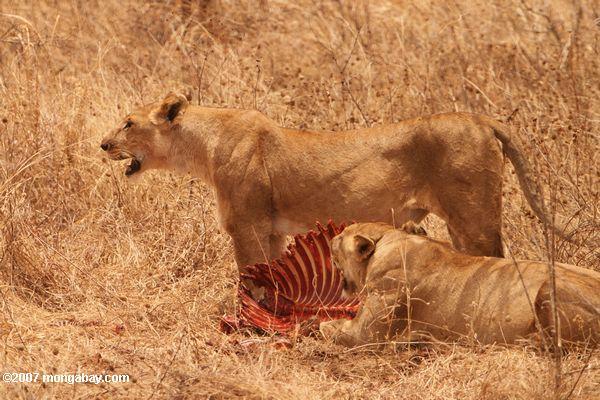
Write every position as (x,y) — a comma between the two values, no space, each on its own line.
(127,125)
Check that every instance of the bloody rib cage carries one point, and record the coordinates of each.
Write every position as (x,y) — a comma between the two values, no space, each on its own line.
(300,285)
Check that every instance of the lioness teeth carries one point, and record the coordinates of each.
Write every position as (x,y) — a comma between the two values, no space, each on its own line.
(133,167)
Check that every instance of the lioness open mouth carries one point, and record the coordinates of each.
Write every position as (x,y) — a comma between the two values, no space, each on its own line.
(133,167)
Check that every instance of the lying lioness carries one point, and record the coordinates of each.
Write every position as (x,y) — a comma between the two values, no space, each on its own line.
(271,181)
(418,289)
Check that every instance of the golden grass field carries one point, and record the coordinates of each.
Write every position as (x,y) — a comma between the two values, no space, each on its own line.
(102,275)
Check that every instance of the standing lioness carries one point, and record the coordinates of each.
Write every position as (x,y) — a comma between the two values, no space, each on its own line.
(271,181)
(415,288)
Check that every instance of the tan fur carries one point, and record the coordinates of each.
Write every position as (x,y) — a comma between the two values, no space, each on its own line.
(450,295)
(272,181)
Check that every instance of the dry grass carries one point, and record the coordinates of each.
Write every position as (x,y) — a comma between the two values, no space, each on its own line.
(98,274)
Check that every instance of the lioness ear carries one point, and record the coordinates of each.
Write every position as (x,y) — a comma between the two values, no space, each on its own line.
(363,247)
(169,109)
(413,229)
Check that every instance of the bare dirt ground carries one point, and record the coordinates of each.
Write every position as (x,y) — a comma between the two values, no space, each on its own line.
(101,275)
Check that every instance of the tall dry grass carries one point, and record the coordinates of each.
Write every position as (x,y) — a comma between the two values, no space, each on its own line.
(98,274)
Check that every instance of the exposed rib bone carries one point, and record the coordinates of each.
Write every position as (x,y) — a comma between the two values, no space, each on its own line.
(300,285)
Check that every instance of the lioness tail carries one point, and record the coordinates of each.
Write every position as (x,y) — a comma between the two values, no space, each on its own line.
(513,149)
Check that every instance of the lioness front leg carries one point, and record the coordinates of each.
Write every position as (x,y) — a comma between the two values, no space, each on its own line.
(248,219)
(254,240)
(252,245)
(374,323)
(249,250)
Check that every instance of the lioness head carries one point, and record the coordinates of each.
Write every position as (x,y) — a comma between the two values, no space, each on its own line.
(146,135)
(352,249)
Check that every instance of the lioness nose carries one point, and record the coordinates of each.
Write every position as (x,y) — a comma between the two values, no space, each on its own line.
(105,146)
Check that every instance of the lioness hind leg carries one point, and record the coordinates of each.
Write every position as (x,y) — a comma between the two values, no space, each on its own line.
(415,215)
(481,239)
(474,220)
(579,318)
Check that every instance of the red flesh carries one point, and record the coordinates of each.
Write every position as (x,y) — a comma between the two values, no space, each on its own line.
(301,285)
